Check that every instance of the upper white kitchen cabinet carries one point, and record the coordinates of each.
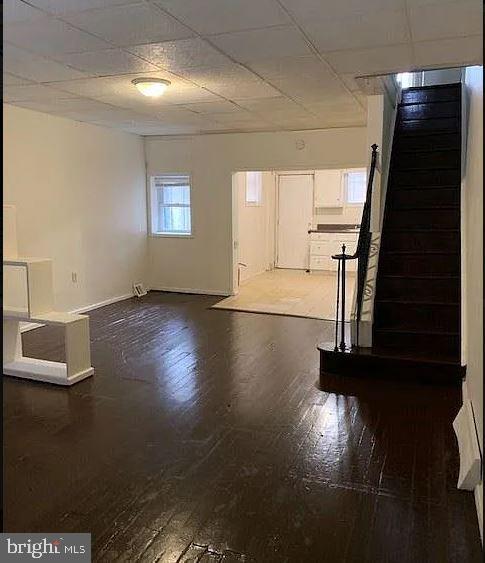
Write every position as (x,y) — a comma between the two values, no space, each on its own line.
(328,188)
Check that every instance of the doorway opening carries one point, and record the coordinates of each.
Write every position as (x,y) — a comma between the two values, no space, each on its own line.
(287,224)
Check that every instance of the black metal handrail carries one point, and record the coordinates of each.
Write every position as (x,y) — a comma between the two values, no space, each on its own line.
(361,255)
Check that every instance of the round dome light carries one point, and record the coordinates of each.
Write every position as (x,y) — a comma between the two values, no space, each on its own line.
(152,87)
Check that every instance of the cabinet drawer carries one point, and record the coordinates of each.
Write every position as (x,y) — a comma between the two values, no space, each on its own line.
(349,237)
(322,263)
(319,248)
(318,236)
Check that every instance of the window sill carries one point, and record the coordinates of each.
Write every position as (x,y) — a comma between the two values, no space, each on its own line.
(170,235)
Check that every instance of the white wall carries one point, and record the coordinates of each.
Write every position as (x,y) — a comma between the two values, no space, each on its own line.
(255,227)
(79,193)
(472,208)
(473,195)
(211,160)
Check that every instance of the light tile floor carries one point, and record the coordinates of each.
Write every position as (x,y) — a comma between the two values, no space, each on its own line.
(291,292)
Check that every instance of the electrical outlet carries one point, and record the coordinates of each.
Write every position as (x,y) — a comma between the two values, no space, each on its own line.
(74,277)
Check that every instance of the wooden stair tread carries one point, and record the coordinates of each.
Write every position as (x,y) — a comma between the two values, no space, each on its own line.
(400,301)
(417,331)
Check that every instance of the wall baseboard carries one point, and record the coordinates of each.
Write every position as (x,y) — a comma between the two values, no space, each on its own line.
(215,292)
(32,326)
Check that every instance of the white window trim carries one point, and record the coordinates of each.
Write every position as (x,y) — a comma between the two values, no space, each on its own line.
(344,186)
(152,204)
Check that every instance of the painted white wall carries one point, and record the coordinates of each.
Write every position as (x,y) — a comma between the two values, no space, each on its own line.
(472,261)
(346,215)
(211,160)
(255,227)
(80,198)
(473,201)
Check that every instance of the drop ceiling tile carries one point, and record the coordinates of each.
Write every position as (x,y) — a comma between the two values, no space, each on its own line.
(107,62)
(209,108)
(33,67)
(385,27)
(49,36)
(307,10)
(220,16)
(62,7)
(392,58)
(116,85)
(233,116)
(17,11)
(12,80)
(62,106)
(461,51)
(301,78)
(280,104)
(31,92)
(274,42)
(231,81)
(130,25)
(437,21)
(180,54)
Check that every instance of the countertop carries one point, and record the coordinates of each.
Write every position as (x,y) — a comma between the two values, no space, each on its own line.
(335,228)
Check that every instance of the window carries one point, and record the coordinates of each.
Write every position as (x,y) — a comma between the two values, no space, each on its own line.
(170,205)
(254,188)
(355,187)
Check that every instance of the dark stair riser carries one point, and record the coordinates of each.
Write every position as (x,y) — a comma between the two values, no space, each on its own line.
(446,344)
(429,241)
(423,219)
(423,178)
(424,197)
(424,264)
(425,126)
(437,159)
(422,316)
(426,142)
(450,92)
(442,290)
(429,110)
(374,366)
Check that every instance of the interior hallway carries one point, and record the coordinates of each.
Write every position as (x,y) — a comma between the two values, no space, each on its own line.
(204,434)
(291,292)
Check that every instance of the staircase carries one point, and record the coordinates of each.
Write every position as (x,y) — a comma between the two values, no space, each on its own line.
(416,329)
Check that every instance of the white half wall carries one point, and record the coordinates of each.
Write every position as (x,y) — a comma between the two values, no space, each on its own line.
(80,199)
(204,262)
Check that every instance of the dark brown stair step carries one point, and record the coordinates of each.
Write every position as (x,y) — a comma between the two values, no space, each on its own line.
(422,218)
(388,364)
(419,288)
(429,110)
(409,315)
(444,158)
(430,141)
(433,94)
(424,126)
(393,263)
(417,197)
(444,241)
(444,344)
(439,177)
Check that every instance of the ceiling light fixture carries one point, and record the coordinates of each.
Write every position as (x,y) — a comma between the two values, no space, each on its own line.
(152,87)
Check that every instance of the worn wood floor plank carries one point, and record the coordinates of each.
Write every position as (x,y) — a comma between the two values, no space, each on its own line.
(203,437)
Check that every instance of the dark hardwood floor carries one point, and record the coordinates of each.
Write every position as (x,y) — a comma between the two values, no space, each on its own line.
(203,437)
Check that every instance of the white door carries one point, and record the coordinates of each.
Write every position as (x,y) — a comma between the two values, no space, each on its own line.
(295,211)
